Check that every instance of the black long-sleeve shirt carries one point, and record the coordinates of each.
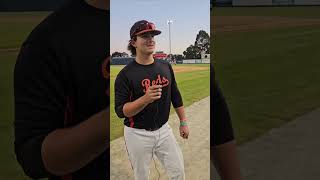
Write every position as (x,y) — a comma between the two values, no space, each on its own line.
(220,126)
(133,81)
(61,79)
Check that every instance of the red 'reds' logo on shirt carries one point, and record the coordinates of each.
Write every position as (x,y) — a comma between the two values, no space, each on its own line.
(105,68)
(146,83)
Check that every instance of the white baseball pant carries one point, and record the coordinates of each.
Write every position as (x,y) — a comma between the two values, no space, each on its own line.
(141,144)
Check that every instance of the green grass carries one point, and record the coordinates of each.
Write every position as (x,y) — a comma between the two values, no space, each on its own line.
(9,166)
(269,77)
(16,26)
(14,29)
(307,12)
(193,86)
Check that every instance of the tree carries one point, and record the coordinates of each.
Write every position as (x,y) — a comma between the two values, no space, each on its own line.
(192,52)
(116,54)
(201,44)
(124,54)
(178,56)
(119,54)
(203,41)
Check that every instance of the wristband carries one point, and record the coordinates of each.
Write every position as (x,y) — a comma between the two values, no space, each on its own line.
(183,123)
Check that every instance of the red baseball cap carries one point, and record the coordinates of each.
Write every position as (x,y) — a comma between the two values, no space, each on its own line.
(143,26)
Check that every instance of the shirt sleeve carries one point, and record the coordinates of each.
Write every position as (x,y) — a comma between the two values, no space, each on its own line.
(39,105)
(176,98)
(221,127)
(122,93)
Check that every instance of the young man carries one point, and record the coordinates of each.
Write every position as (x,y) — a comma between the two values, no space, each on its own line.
(61,83)
(223,147)
(144,90)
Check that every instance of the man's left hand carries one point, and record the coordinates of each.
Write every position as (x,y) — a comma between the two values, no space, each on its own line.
(184,131)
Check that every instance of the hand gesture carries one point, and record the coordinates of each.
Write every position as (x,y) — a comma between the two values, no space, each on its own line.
(153,93)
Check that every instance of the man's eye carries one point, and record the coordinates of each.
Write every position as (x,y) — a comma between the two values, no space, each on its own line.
(147,36)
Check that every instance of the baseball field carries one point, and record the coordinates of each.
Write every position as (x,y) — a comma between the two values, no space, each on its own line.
(193,81)
(268,72)
(14,29)
(267,63)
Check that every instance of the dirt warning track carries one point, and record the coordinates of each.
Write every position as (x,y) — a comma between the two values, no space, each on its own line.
(178,69)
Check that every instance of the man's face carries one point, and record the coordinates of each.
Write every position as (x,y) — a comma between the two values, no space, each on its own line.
(145,43)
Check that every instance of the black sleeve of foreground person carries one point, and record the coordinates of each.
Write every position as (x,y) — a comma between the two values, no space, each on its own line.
(39,105)
(122,93)
(176,97)
(221,127)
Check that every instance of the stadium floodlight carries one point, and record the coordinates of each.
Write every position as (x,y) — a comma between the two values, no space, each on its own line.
(169,22)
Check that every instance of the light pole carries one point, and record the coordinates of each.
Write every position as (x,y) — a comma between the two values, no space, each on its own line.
(169,22)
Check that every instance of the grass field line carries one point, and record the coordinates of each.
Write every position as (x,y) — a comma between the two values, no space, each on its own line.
(9,49)
(251,23)
(181,68)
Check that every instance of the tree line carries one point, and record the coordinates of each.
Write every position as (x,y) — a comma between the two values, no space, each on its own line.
(201,44)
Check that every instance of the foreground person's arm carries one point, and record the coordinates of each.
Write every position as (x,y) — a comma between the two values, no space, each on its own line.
(226,162)
(223,147)
(77,146)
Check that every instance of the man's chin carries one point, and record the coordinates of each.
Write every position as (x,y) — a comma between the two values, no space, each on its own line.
(150,52)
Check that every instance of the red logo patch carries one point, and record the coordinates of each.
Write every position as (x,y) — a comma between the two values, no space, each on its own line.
(106,71)
(146,83)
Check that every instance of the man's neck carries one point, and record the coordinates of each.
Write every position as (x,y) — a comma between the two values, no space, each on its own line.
(144,59)
(100,4)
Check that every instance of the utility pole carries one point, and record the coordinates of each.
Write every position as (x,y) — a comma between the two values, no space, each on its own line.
(169,22)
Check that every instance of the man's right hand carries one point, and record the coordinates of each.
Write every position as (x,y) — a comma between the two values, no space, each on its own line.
(153,93)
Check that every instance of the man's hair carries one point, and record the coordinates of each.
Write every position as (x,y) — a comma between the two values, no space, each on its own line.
(131,48)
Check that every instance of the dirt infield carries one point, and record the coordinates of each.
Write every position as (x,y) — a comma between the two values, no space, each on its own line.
(178,69)
(251,23)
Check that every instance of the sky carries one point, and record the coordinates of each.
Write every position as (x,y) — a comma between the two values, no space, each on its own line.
(188,16)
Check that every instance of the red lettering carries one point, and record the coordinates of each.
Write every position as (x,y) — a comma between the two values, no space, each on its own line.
(146,83)
(165,82)
(159,79)
(105,68)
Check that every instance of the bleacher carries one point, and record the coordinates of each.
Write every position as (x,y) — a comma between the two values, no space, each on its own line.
(121,60)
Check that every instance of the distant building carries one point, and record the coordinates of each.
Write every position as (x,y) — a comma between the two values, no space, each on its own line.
(264,2)
(274,2)
(205,56)
(307,2)
(221,2)
(252,2)
(160,55)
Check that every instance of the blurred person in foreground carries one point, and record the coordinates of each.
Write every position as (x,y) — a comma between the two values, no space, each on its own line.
(223,146)
(61,91)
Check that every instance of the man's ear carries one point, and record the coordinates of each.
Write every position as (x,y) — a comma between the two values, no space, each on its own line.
(133,43)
